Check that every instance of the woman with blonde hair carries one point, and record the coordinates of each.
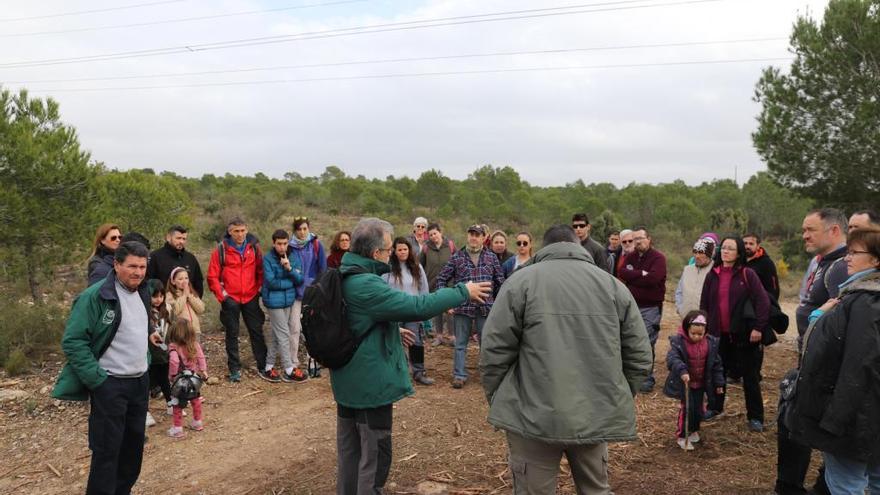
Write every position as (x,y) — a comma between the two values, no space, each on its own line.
(107,239)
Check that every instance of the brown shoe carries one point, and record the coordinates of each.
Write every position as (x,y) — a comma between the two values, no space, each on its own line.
(457,383)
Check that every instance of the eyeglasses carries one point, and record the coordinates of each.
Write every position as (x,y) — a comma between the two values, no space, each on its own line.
(420,227)
(850,254)
(115,237)
(627,242)
(522,243)
(578,225)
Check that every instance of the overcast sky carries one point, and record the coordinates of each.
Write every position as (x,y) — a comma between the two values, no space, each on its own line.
(577,118)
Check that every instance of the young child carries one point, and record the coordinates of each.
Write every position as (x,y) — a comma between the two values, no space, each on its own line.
(185,353)
(158,355)
(694,368)
(183,302)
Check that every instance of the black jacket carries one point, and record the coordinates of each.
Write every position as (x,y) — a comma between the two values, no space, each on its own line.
(100,265)
(764,267)
(836,408)
(830,273)
(677,362)
(166,258)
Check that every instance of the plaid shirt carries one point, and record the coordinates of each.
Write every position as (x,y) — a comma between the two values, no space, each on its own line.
(460,268)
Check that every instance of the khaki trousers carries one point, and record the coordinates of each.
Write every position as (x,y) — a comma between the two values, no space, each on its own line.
(535,466)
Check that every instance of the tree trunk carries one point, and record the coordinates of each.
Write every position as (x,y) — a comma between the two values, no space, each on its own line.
(30,262)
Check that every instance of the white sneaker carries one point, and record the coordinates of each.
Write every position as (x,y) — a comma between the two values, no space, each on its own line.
(694,437)
(684,444)
(151,421)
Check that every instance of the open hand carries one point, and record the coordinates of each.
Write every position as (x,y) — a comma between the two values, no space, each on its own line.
(156,339)
(478,291)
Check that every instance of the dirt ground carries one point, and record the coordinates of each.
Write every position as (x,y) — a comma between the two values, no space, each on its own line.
(263,438)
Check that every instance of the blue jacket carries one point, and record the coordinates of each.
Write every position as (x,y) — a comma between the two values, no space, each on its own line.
(279,285)
(311,259)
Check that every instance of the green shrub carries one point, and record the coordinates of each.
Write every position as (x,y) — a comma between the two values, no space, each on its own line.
(29,328)
(16,363)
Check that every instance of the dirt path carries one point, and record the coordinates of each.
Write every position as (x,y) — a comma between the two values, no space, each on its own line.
(263,438)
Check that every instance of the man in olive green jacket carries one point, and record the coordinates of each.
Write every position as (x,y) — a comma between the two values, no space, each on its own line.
(564,352)
(377,375)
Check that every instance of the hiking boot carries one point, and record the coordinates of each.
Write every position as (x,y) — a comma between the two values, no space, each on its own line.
(151,421)
(176,432)
(684,444)
(235,376)
(457,383)
(422,379)
(756,425)
(196,425)
(694,437)
(647,386)
(270,375)
(296,377)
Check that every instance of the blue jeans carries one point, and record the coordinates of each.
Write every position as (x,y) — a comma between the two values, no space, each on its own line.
(845,476)
(462,335)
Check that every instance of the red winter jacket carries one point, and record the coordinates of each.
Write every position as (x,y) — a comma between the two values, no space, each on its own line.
(241,277)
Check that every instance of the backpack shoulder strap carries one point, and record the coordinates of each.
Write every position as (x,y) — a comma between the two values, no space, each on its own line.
(315,247)
(827,274)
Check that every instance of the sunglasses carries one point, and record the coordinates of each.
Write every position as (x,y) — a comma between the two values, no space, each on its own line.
(420,227)
(300,219)
(627,242)
(522,243)
(578,225)
(115,237)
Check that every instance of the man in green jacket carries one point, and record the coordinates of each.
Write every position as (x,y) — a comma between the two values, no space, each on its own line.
(564,352)
(105,342)
(377,375)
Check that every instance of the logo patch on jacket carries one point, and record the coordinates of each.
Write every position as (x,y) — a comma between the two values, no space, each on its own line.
(108,317)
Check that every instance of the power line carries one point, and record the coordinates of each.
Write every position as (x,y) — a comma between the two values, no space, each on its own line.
(413,75)
(180,20)
(93,11)
(352,31)
(402,59)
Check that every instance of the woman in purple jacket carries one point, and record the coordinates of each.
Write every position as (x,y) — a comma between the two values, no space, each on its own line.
(729,286)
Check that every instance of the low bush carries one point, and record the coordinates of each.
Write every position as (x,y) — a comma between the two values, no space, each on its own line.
(27,329)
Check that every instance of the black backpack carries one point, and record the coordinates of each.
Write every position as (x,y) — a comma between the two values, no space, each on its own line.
(325,323)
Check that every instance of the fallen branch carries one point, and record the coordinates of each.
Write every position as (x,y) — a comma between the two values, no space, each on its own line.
(52,468)
(249,394)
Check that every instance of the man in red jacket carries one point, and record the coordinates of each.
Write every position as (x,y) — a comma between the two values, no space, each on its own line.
(644,273)
(235,276)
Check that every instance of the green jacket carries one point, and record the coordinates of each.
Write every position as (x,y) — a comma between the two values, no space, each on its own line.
(378,373)
(564,351)
(90,329)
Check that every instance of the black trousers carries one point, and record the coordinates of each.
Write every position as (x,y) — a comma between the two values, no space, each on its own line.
(744,361)
(116,434)
(159,378)
(793,462)
(254,318)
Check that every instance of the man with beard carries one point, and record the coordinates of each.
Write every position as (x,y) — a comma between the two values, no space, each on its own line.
(760,262)
(644,273)
(172,255)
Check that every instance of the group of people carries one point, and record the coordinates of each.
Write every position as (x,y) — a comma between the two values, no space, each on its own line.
(570,328)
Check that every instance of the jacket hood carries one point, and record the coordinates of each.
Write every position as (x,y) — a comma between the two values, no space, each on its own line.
(351,260)
(868,283)
(563,251)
